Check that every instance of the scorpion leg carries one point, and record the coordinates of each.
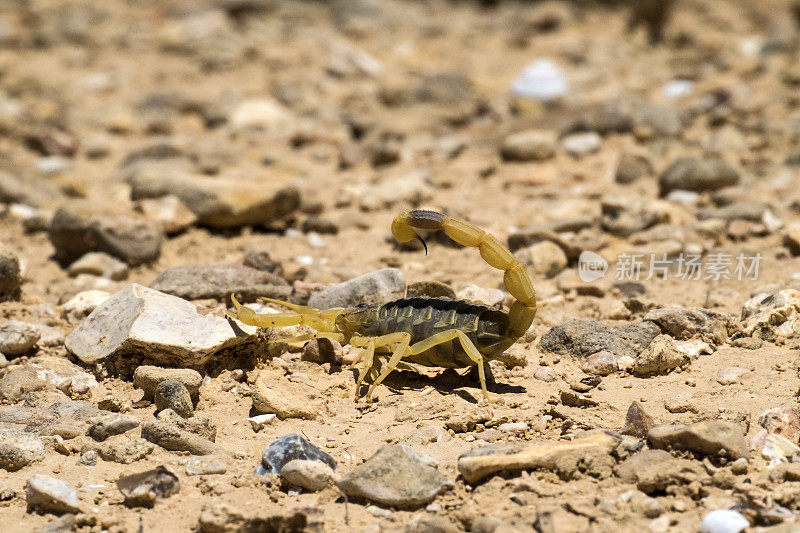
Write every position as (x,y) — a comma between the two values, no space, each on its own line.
(492,251)
(402,340)
(469,348)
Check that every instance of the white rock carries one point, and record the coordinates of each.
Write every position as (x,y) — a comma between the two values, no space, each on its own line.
(311,475)
(541,80)
(85,302)
(48,494)
(678,89)
(17,337)
(265,115)
(513,427)
(723,521)
(99,264)
(580,144)
(474,293)
(165,328)
(778,449)
(259,422)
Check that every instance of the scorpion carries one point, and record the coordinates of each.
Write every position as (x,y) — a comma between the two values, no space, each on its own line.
(431,332)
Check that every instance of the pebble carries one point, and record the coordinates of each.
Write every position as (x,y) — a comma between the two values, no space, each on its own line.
(602,363)
(171,437)
(125,450)
(637,422)
(46,494)
(791,239)
(167,329)
(205,466)
(264,115)
(772,316)
(199,425)
(411,187)
(99,264)
(625,215)
(582,338)
(546,374)
(380,286)
(784,421)
(290,447)
(19,448)
(133,240)
(308,474)
(111,425)
(541,80)
(430,289)
(144,488)
(393,477)
(169,211)
(680,403)
(739,466)
(171,394)
(322,351)
(708,438)
(261,260)
(581,144)
(659,358)
(199,282)
(683,324)
(147,378)
(632,167)
(217,202)
(259,422)
(544,258)
(84,303)
(18,382)
(529,145)
(17,337)
(652,471)
(513,427)
(732,374)
(723,521)
(10,275)
(474,293)
(562,457)
(699,175)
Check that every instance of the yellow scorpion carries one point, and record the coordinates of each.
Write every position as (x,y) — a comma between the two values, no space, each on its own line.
(432,332)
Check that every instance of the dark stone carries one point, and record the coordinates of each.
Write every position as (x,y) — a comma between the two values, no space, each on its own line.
(288,448)
(142,490)
(582,338)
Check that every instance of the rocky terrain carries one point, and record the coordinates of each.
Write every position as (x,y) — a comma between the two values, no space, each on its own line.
(642,160)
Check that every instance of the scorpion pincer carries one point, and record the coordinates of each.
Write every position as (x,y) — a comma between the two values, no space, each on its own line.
(432,332)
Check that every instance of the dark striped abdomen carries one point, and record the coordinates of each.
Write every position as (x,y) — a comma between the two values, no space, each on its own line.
(424,317)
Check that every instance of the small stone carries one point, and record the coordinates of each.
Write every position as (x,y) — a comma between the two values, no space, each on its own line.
(47,494)
(171,437)
(474,293)
(287,399)
(99,264)
(167,329)
(19,448)
(200,282)
(642,504)
(199,425)
(680,403)
(708,438)
(288,448)
(259,422)
(18,382)
(513,427)
(17,337)
(84,303)
(111,425)
(133,240)
(784,421)
(142,490)
(723,521)
(541,80)
(602,363)
(171,394)
(582,338)
(732,374)
(684,324)
(529,145)
(10,274)
(791,239)
(260,260)
(653,471)
(739,466)
(631,168)
(147,378)
(546,374)
(205,466)
(264,115)
(623,215)
(659,358)
(544,258)
(380,286)
(169,211)
(322,351)
(581,144)
(430,289)
(393,477)
(778,449)
(125,450)
(695,174)
(310,475)
(411,187)
(770,317)
(637,422)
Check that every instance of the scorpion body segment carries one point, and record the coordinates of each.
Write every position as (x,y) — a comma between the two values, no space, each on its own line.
(436,332)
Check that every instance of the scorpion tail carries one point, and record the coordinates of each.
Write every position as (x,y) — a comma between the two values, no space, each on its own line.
(492,251)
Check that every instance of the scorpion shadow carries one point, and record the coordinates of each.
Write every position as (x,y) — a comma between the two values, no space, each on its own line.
(449,381)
